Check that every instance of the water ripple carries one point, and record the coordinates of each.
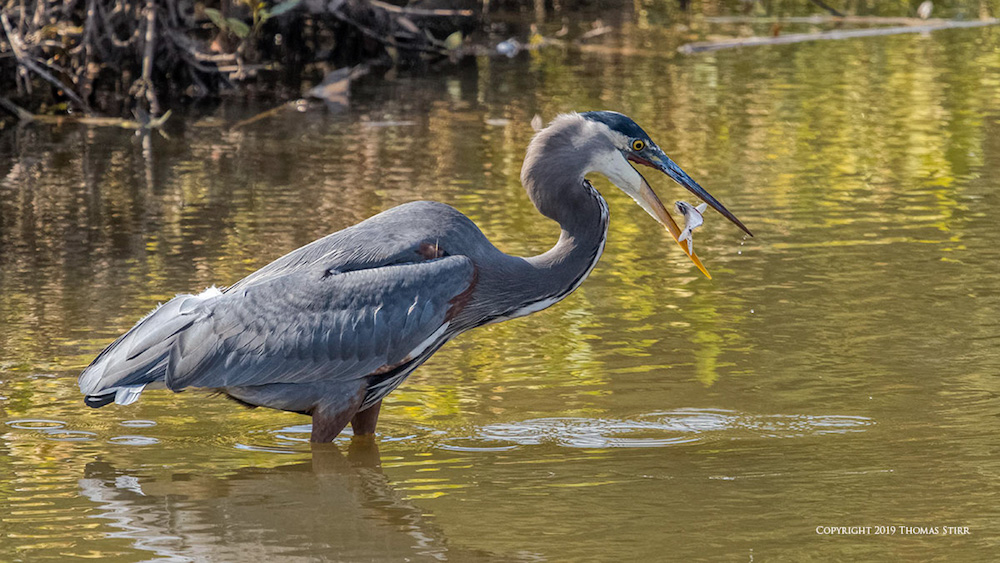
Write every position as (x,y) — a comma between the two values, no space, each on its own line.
(62,435)
(660,429)
(36,424)
(138,423)
(134,440)
(295,438)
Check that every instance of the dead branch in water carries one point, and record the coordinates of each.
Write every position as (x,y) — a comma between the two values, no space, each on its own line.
(145,123)
(703,46)
(421,11)
(824,20)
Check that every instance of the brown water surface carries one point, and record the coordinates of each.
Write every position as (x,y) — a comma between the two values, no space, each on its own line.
(841,369)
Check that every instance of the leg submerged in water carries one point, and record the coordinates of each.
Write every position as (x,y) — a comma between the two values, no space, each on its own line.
(327,425)
(330,418)
(364,421)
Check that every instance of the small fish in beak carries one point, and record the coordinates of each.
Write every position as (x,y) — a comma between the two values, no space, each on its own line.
(692,220)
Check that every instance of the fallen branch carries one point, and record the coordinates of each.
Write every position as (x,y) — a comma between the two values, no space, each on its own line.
(287,106)
(20,113)
(824,20)
(420,11)
(26,116)
(703,46)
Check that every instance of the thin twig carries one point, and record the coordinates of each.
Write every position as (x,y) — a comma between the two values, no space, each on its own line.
(823,5)
(382,39)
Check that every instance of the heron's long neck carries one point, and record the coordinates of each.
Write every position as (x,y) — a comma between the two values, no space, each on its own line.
(582,214)
(553,175)
(581,242)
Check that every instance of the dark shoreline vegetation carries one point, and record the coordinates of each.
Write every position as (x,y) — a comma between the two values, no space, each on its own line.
(104,60)
(100,58)
(114,57)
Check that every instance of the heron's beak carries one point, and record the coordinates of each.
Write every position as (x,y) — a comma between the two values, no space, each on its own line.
(654,206)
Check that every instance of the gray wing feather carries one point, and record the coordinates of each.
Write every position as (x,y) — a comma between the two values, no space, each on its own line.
(304,326)
(139,356)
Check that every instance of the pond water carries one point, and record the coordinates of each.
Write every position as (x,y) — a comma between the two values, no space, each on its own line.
(840,369)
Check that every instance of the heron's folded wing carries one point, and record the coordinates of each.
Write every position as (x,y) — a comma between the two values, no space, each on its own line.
(313,325)
(391,237)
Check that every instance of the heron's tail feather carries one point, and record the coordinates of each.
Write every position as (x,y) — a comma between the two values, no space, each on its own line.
(139,357)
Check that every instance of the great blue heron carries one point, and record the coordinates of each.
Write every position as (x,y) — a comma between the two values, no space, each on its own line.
(330,329)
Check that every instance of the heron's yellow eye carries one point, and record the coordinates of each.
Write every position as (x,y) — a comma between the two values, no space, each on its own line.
(638,145)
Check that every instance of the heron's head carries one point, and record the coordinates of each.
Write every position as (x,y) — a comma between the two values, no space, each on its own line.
(621,143)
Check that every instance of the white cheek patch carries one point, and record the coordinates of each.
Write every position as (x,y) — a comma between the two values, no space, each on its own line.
(616,168)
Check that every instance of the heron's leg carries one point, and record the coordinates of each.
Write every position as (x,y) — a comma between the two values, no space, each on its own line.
(329,419)
(364,422)
(327,426)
